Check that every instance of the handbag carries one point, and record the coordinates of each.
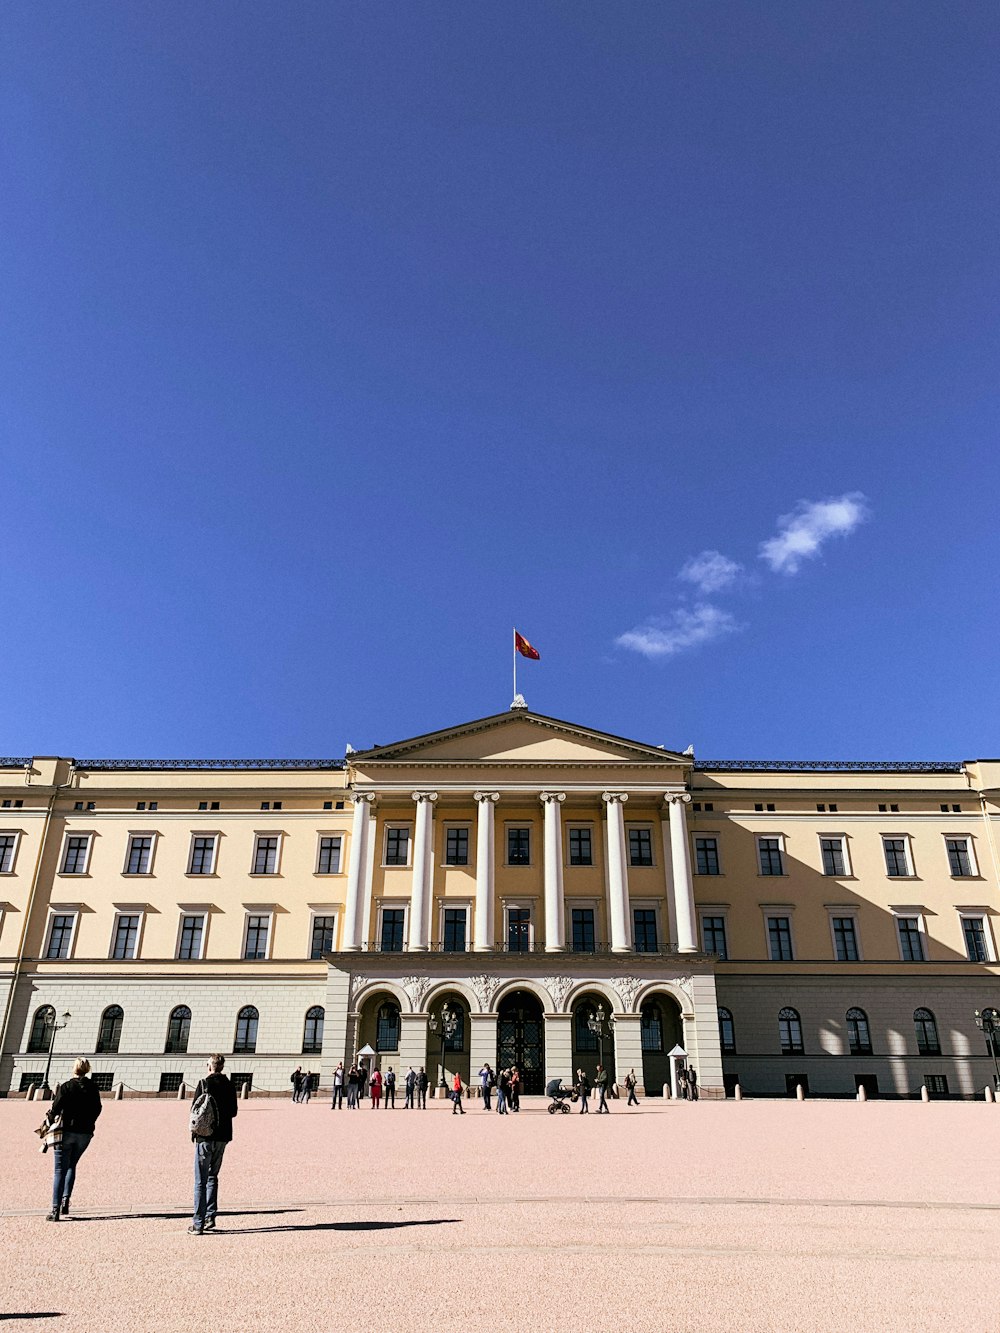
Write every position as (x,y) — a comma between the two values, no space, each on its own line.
(50,1131)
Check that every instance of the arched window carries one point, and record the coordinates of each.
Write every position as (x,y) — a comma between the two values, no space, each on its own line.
(41,1029)
(387,1030)
(858,1036)
(790,1030)
(246,1031)
(651,1027)
(928,1042)
(178,1029)
(312,1037)
(727,1032)
(110,1032)
(586,1040)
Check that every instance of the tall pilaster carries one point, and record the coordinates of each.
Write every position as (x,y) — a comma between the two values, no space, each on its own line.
(485,860)
(555,915)
(621,933)
(680,858)
(351,935)
(423,842)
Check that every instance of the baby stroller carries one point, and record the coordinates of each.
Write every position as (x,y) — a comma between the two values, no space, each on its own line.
(561,1097)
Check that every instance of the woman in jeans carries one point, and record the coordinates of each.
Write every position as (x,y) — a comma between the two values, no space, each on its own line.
(79,1104)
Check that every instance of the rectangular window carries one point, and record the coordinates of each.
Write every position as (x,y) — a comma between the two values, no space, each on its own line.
(845,939)
(959,860)
(706,856)
(519,846)
(937,1084)
(126,937)
(192,934)
(640,847)
(8,846)
(329,855)
(832,850)
(322,936)
(518,929)
(265,855)
(581,851)
(713,933)
(140,854)
(911,946)
(770,857)
(170,1082)
(456,852)
(103,1082)
(974,928)
(202,856)
(393,919)
(60,936)
(896,862)
(75,855)
(644,930)
(583,930)
(779,935)
(397,846)
(258,928)
(454,929)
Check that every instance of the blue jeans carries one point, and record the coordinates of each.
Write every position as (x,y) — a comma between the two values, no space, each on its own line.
(501,1101)
(67,1154)
(208,1154)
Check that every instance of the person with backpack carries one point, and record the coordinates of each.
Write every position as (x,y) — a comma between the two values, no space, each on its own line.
(78,1102)
(212,1113)
(296,1082)
(630,1082)
(422,1084)
(390,1089)
(410,1083)
(601,1084)
(376,1088)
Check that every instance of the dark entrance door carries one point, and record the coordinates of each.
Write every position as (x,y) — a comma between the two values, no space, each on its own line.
(521,1039)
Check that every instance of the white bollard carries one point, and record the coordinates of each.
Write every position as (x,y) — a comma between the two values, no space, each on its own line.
(120,1092)
(666,1092)
(925,1096)
(800,1093)
(182,1092)
(737,1093)
(32,1090)
(245,1092)
(989,1094)
(862,1093)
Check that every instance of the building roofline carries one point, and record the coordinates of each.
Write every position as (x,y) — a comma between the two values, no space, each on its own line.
(828,766)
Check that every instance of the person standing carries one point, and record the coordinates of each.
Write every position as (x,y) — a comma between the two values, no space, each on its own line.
(583,1091)
(630,1082)
(210,1149)
(410,1084)
(486,1081)
(682,1082)
(296,1082)
(376,1088)
(601,1084)
(338,1088)
(456,1096)
(79,1103)
(364,1074)
(692,1083)
(390,1090)
(514,1092)
(352,1088)
(422,1082)
(503,1085)
(307,1087)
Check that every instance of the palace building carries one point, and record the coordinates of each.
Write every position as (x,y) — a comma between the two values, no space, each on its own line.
(516,890)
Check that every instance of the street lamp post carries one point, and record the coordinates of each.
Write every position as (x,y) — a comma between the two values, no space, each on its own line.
(447,1026)
(56,1027)
(595,1023)
(988,1022)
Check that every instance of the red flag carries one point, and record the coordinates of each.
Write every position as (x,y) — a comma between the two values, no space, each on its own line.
(524,647)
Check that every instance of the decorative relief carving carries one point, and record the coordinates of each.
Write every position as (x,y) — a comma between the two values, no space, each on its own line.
(416,988)
(558,988)
(485,988)
(682,984)
(358,983)
(627,988)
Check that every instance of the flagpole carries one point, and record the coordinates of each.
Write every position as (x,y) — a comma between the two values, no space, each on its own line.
(513,640)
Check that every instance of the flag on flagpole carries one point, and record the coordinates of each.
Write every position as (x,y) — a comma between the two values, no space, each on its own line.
(522,645)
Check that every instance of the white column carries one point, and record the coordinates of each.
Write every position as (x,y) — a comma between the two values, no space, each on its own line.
(423,842)
(555,916)
(485,857)
(687,940)
(351,937)
(621,933)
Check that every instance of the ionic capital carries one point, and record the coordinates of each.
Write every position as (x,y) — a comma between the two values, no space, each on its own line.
(483,796)
(360,796)
(419,796)
(548,796)
(609,797)
(677,798)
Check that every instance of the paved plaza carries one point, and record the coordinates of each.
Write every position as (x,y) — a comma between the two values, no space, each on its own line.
(749,1216)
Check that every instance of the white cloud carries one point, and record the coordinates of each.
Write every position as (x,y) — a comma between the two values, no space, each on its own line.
(710,571)
(802,534)
(683,629)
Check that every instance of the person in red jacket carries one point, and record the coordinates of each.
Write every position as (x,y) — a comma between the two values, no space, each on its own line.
(456,1096)
(376,1089)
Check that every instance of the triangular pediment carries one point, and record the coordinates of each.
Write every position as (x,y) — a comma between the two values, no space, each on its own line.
(518,737)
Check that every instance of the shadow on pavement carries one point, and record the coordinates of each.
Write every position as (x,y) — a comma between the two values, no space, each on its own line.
(179,1216)
(34,1314)
(341,1226)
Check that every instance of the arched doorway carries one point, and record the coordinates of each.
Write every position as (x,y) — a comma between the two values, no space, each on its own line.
(661,1030)
(593,1045)
(448,1043)
(521,1038)
(379,1027)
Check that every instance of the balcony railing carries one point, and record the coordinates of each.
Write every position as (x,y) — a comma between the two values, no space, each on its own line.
(505,946)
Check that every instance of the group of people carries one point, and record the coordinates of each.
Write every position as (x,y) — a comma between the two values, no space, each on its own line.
(687,1083)
(381,1087)
(302,1084)
(507,1085)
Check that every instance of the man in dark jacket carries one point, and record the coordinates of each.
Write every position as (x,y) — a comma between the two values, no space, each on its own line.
(423,1082)
(601,1084)
(208,1152)
(79,1103)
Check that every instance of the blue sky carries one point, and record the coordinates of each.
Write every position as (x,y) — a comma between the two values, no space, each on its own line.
(338,339)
